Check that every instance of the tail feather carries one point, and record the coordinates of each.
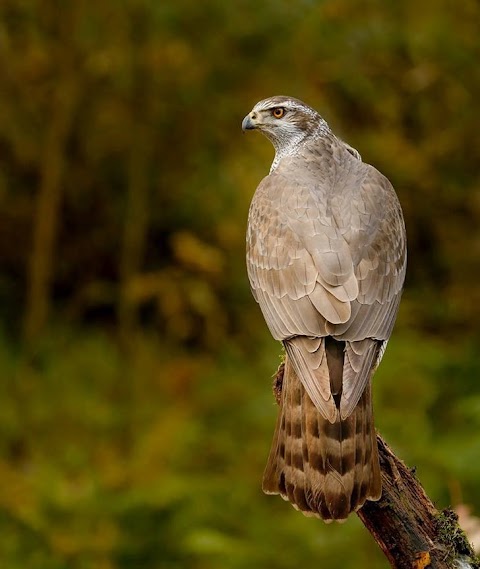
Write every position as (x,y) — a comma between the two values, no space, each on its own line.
(324,469)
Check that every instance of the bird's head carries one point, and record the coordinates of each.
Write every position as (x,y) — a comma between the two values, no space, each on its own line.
(285,121)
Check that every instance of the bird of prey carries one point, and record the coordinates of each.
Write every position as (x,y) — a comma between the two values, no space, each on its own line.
(326,259)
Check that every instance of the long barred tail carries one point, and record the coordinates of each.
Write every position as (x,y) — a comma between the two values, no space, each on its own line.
(324,469)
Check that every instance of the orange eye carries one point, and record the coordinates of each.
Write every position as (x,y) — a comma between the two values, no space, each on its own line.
(278,112)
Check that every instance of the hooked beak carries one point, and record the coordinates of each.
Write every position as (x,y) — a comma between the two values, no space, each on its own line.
(248,124)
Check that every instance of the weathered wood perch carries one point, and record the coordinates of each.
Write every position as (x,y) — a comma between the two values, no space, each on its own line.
(411,532)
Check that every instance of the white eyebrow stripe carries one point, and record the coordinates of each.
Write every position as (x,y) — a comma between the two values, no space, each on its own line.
(270,104)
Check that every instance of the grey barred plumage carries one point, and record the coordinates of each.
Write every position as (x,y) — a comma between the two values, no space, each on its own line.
(326,259)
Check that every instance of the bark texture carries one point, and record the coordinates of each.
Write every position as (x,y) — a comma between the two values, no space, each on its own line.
(411,532)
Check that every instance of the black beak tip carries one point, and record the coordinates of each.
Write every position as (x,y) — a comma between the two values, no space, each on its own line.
(247,124)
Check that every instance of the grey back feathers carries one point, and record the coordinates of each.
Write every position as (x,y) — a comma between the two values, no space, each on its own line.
(326,259)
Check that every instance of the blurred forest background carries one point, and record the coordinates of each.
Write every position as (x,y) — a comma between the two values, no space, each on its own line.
(136,410)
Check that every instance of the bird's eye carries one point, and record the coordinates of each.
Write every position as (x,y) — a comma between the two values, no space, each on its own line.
(278,112)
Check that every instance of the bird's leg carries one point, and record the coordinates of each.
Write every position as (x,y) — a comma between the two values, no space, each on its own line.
(278,383)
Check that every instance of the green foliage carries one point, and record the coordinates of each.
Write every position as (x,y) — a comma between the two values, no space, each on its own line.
(157,464)
(136,411)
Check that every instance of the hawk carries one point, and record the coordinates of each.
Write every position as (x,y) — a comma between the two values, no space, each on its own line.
(326,259)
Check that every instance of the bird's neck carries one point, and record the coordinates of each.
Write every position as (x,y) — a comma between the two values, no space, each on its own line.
(294,144)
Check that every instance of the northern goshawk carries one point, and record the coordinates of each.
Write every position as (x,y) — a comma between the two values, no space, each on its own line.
(326,258)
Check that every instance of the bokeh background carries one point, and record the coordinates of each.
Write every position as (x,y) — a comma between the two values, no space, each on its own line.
(136,410)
